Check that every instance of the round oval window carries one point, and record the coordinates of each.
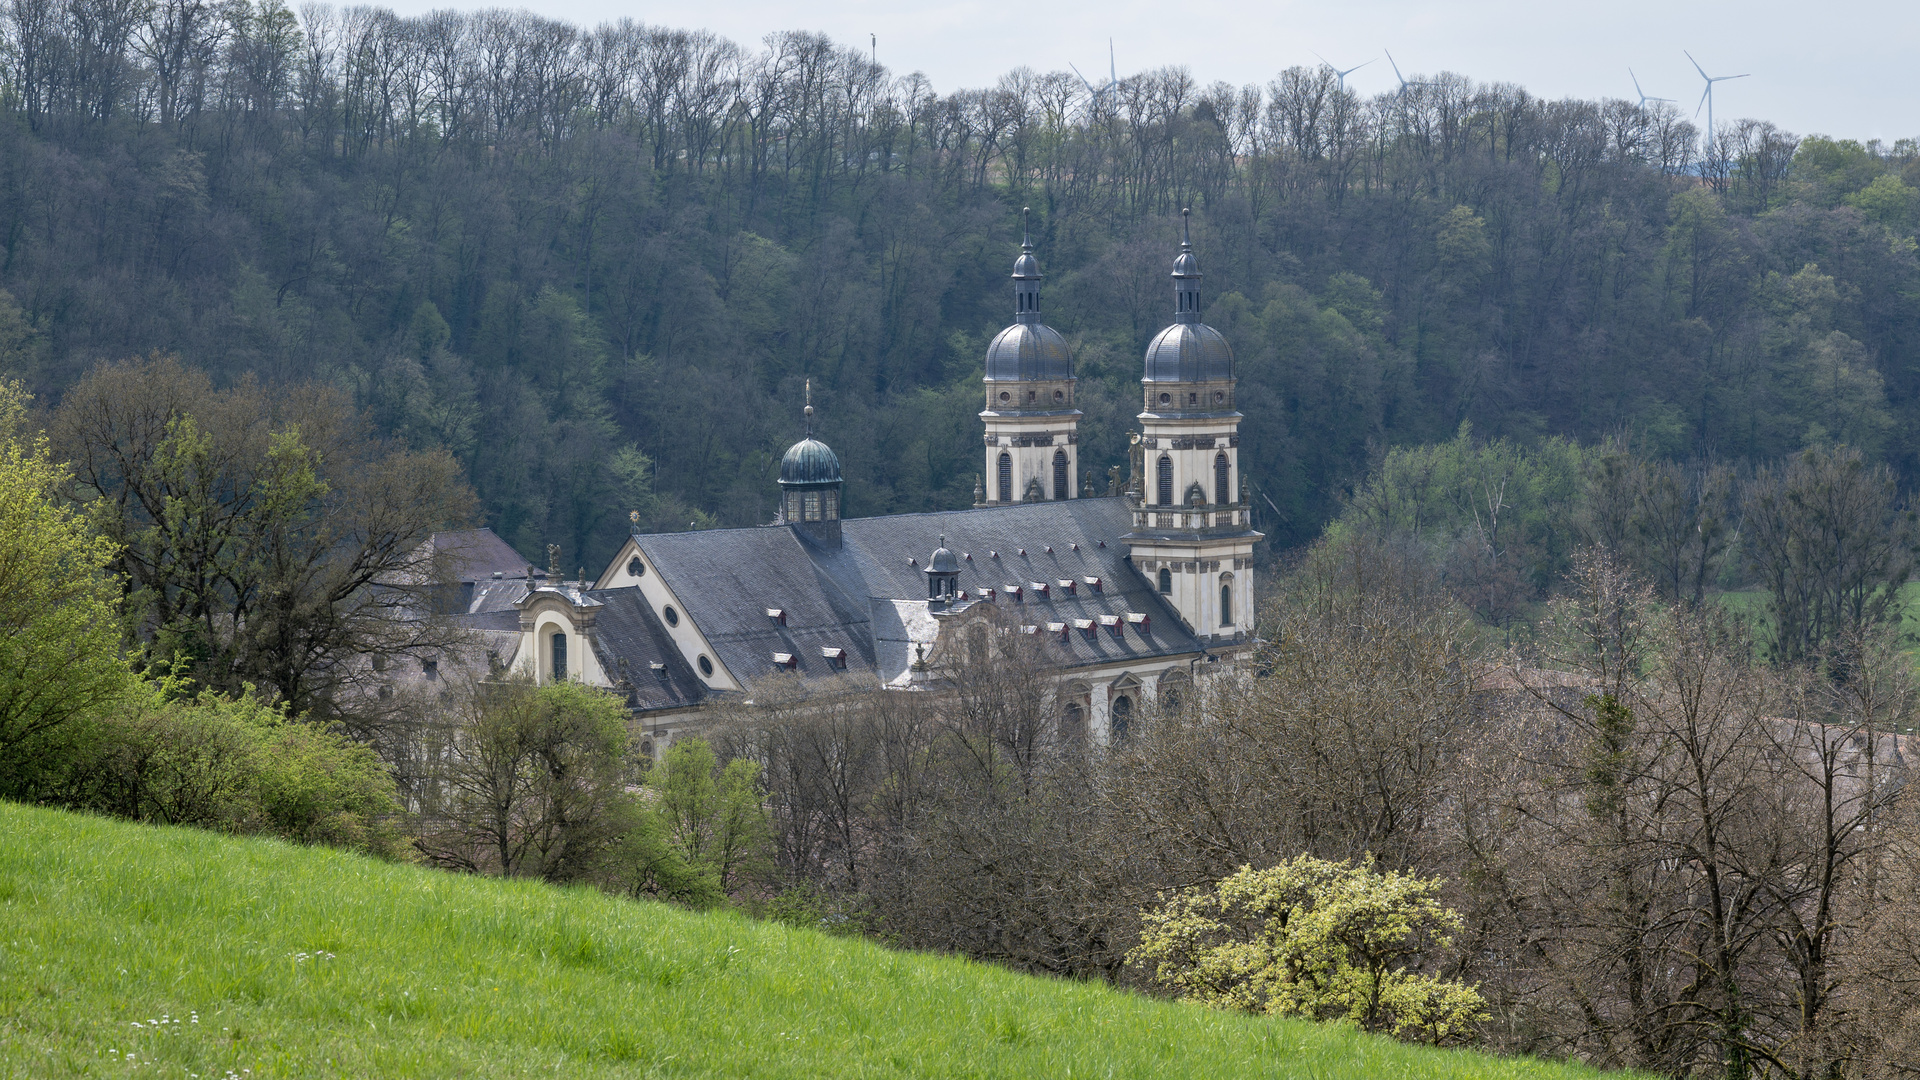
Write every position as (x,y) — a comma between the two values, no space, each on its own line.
(673,617)
(1165,398)
(1059,395)
(706,666)
(1004,396)
(635,567)
(1219,396)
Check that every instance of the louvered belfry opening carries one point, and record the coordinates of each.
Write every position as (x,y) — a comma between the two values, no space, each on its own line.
(1165,489)
(1006,477)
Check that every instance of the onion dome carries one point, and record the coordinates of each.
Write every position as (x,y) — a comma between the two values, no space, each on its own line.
(942,561)
(1189,350)
(1029,350)
(809,461)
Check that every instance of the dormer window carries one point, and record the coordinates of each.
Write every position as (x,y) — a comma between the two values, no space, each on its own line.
(987,595)
(1069,586)
(1093,583)
(1040,588)
(836,658)
(1141,624)
(786,661)
(778,615)
(659,671)
(1112,623)
(1057,629)
(1085,626)
(1016,593)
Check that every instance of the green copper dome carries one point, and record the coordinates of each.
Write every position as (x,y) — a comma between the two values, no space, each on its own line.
(810,461)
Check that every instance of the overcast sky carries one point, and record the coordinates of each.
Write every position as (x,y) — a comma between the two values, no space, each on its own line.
(1845,69)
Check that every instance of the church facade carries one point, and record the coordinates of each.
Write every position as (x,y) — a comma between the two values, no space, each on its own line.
(1126,596)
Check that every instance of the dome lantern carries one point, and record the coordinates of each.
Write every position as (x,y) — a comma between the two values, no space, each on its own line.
(810,481)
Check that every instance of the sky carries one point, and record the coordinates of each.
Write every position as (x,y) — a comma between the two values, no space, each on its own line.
(1846,70)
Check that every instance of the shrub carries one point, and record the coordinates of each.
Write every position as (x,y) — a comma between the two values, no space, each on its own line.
(1313,938)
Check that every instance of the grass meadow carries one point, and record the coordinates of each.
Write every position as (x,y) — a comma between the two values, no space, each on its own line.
(128,950)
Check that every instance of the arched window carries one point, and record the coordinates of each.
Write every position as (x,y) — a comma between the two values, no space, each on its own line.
(1060,474)
(1226,599)
(1073,722)
(1122,716)
(1222,477)
(1166,480)
(559,670)
(1006,477)
(1166,581)
(977,646)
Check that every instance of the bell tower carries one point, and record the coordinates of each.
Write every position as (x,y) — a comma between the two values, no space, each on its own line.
(1192,533)
(1033,428)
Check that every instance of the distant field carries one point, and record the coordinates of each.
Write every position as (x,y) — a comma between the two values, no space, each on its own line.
(1753,604)
(137,951)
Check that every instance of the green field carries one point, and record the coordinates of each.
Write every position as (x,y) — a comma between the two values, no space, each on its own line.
(139,951)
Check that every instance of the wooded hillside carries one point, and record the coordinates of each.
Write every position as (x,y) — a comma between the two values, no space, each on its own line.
(596,264)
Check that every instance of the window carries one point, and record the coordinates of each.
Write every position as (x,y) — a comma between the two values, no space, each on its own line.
(832,511)
(636,568)
(673,617)
(813,506)
(1166,581)
(1226,599)
(706,665)
(430,669)
(1222,477)
(1193,399)
(379,662)
(1060,474)
(977,645)
(1005,397)
(559,657)
(1166,481)
(1033,395)
(1171,698)
(1006,477)
(1122,717)
(1166,399)
(386,692)
(1219,397)
(1059,396)
(1073,722)
(793,506)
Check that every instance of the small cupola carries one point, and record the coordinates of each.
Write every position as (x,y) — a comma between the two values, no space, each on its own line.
(943,574)
(810,484)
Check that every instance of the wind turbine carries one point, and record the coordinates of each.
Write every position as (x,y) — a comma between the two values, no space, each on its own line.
(1404,84)
(1643,94)
(1342,75)
(1706,97)
(1113,78)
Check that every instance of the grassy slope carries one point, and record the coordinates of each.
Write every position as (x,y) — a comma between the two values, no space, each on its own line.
(106,927)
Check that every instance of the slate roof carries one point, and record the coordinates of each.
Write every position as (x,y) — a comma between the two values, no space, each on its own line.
(727,579)
(476,554)
(626,629)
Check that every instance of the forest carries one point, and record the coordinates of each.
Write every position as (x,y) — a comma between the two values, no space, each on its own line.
(595,265)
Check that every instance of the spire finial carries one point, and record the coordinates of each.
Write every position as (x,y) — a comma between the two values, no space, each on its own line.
(808,411)
(1026,230)
(1186,234)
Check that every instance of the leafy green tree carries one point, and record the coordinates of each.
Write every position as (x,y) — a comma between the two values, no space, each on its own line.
(713,817)
(537,784)
(60,652)
(1326,940)
(270,538)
